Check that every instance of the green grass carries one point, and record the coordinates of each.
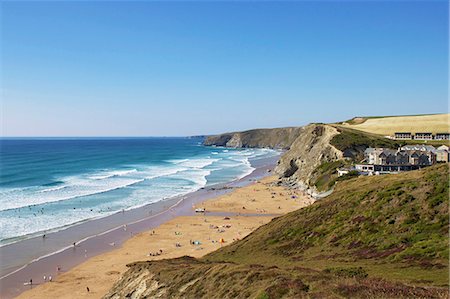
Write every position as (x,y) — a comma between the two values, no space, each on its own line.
(400,221)
(326,174)
(349,272)
(435,143)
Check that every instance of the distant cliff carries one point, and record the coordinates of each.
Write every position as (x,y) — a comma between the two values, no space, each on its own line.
(279,138)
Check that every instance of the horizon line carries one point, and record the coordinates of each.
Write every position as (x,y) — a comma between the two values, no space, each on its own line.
(73,137)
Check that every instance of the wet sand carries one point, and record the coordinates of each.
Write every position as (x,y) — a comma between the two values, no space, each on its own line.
(33,257)
(100,272)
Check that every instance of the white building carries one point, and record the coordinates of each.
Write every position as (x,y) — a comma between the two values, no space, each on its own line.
(442,136)
(423,136)
(442,154)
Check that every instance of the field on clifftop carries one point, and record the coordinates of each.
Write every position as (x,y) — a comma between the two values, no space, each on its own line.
(374,237)
(435,123)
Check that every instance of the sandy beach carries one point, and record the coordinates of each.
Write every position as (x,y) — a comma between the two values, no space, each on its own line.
(250,206)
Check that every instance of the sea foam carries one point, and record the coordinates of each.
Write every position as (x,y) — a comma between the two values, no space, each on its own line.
(67,200)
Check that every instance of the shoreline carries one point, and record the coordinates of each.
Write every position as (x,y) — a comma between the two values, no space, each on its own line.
(194,236)
(136,221)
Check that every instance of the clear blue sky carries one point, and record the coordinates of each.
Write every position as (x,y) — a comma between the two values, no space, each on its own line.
(183,68)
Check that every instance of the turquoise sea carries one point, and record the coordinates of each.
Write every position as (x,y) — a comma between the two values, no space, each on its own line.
(50,183)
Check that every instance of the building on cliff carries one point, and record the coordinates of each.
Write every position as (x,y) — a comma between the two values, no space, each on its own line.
(406,155)
(405,158)
(420,136)
(442,154)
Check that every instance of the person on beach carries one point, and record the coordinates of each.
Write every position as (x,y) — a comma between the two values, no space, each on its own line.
(87,289)
(50,278)
(45,278)
(31,281)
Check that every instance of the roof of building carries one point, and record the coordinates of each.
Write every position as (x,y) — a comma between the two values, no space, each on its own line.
(369,150)
(388,151)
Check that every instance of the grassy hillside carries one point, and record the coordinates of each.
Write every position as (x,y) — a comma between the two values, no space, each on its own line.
(383,222)
(190,278)
(374,237)
(435,123)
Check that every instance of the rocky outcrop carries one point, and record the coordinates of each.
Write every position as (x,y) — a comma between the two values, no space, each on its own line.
(309,150)
(279,138)
(136,283)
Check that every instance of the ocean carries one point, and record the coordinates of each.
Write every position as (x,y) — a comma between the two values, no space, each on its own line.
(47,184)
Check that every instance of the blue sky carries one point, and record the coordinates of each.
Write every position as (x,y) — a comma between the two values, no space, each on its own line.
(184,68)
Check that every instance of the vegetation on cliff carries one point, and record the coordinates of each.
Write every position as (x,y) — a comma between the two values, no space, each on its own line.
(320,149)
(352,143)
(381,236)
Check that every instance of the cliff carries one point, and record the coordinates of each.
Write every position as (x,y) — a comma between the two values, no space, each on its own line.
(278,138)
(317,152)
(307,148)
(310,149)
(374,237)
